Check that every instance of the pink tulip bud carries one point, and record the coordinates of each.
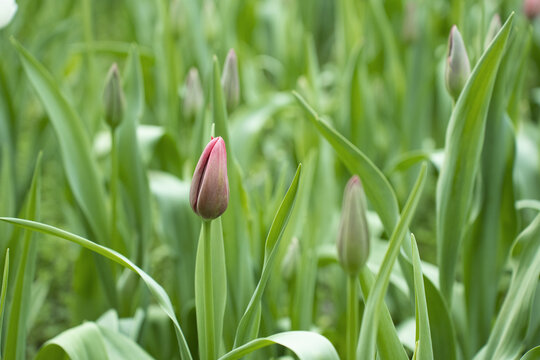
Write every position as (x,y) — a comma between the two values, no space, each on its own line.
(531,8)
(209,193)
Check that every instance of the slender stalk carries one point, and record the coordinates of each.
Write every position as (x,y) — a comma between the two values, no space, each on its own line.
(352,317)
(114,189)
(211,350)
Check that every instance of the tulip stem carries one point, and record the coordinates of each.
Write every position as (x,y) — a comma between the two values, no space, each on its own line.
(114,189)
(208,292)
(352,317)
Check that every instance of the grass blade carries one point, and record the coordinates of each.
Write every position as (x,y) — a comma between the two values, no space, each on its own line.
(248,327)
(424,349)
(5,278)
(20,302)
(157,291)
(366,343)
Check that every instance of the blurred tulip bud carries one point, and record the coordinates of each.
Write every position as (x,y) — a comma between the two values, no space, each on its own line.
(193,94)
(290,259)
(458,67)
(531,8)
(494,27)
(8,8)
(353,237)
(209,192)
(230,81)
(113,98)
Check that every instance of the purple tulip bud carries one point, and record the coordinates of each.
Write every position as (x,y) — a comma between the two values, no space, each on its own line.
(458,67)
(209,193)
(353,237)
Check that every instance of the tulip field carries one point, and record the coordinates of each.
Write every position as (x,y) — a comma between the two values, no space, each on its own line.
(270,179)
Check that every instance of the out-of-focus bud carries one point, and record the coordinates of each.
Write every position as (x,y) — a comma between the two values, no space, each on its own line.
(209,192)
(353,237)
(193,94)
(291,259)
(113,98)
(531,8)
(458,67)
(410,28)
(8,8)
(230,81)
(494,27)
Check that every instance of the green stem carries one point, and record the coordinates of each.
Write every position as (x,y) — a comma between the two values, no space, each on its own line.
(352,317)
(211,351)
(114,190)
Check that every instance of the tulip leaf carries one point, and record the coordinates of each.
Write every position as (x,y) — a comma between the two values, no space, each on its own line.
(533,354)
(424,349)
(506,337)
(20,302)
(91,341)
(306,345)
(249,323)
(370,319)
(156,290)
(5,278)
(464,140)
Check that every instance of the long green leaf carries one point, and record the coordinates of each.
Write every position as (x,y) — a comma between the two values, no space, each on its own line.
(510,328)
(306,345)
(157,291)
(5,278)
(464,139)
(20,302)
(424,349)
(248,327)
(366,342)
(91,341)
(533,354)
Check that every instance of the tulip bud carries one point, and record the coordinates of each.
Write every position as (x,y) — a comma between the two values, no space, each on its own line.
(531,8)
(353,237)
(291,258)
(230,81)
(8,8)
(113,98)
(494,27)
(209,192)
(458,67)
(193,94)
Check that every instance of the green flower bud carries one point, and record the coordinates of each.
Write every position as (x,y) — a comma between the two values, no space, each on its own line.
(458,67)
(193,94)
(113,98)
(353,237)
(230,81)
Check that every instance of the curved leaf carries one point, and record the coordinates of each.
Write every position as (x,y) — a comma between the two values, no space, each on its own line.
(249,323)
(157,291)
(90,341)
(306,345)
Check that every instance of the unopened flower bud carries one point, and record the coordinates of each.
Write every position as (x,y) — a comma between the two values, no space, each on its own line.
(494,27)
(531,8)
(458,67)
(291,259)
(193,94)
(113,98)
(8,8)
(353,237)
(230,81)
(209,192)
